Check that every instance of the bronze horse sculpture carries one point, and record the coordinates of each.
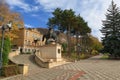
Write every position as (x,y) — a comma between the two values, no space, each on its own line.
(51,36)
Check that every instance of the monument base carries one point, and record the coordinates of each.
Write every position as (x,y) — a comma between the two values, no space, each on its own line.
(51,52)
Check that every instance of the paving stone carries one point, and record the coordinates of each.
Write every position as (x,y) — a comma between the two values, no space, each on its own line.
(95,69)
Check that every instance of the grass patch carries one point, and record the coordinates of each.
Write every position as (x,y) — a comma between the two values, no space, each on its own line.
(105,56)
(73,57)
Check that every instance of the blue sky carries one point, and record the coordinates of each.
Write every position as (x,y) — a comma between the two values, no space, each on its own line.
(35,13)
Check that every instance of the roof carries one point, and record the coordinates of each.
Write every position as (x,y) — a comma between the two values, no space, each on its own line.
(43,30)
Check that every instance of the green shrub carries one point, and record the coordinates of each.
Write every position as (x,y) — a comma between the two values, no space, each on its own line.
(94,52)
(74,56)
(105,56)
(6,50)
(64,46)
(28,52)
(82,56)
(72,49)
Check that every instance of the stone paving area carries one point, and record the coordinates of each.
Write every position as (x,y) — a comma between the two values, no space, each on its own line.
(89,69)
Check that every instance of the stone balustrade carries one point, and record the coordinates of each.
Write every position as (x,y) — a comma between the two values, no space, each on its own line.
(40,61)
(23,68)
(47,63)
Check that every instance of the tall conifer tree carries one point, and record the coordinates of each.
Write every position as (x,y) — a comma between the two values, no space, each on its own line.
(111,31)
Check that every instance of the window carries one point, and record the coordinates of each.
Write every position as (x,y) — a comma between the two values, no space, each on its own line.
(59,51)
(25,42)
(37,50)
(28,42)
(27,33)
(32,50)
(25,50)
(33,35)
(28,50)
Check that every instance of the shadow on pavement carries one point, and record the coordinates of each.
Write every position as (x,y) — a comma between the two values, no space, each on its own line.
(32,60)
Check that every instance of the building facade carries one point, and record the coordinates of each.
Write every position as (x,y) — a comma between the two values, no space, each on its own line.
(28,40)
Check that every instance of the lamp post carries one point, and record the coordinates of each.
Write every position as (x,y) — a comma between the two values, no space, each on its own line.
(3,28)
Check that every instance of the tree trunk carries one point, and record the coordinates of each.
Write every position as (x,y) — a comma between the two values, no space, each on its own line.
(77,43)
(69,42)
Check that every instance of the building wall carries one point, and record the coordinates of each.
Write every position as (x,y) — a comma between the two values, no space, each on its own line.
(30,36)
(27,40)
(19,41)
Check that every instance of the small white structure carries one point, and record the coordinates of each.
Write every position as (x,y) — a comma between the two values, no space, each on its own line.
(51,52)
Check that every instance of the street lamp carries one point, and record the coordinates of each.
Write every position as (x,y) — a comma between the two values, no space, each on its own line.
(3,28)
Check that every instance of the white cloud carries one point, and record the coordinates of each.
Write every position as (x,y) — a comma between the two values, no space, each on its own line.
(93,11)
(21,4)
(29,26)
(50,5)
(35,15)
(35,8)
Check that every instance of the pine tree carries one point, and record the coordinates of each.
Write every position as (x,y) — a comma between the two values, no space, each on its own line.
(64,20)
(111,31)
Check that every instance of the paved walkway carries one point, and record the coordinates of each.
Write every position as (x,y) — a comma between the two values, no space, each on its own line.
(90,69)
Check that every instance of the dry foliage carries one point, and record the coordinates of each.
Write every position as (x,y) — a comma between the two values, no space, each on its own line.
(5,16)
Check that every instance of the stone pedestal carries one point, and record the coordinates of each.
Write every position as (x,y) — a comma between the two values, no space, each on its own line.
(51,51)
(23,69)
